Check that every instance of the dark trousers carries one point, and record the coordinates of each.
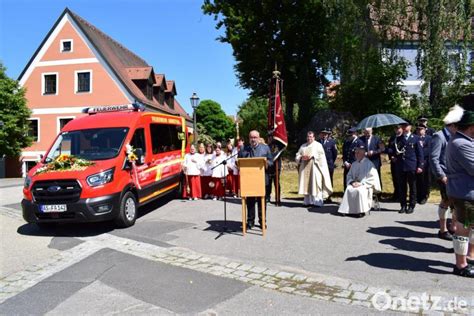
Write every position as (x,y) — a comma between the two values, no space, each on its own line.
(380,176)
(331,173)
(346,171)
(251,209)
(423,185)
(407,179)
(268,187)
(395,171)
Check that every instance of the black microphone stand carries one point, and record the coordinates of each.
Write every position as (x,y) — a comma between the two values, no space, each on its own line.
(224,163)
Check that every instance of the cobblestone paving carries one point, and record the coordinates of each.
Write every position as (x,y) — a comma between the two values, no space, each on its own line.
(285,280)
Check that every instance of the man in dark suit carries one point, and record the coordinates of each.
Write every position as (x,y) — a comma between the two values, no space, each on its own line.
(422,119)
(256,149)
(348,151)
(423,179)
(410,160)
(374,148)
(330,149)
(392,153)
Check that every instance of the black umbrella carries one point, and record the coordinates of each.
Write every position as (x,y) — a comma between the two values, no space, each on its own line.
(378,120)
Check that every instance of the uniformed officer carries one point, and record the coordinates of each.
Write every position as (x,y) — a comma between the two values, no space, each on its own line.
(348,151)
(409,156)
(330,149)
(422,119)
(392,153)
(423,179)
(374,148)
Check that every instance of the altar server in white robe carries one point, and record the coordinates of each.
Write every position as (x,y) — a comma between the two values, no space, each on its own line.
(193,163)
(219,172)
(363,181)
(314,179)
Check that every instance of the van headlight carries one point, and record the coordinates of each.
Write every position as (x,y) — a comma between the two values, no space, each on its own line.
(101,178)
(27,183)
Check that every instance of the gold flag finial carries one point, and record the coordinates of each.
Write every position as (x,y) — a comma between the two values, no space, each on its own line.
(276,73)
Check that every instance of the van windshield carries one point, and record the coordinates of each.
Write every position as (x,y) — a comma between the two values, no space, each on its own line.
(90,144)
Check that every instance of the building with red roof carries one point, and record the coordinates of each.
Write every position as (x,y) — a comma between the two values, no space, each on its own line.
(78,66)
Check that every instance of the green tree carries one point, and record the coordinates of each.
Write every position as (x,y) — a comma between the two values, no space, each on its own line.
(14,114)
(369,73)
(217,124)
(253,115)
(288,33)
(443,30)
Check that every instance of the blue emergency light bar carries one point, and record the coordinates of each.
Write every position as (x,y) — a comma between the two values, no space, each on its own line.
(114,108)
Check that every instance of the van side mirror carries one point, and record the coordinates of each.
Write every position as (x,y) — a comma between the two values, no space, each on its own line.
(140,156)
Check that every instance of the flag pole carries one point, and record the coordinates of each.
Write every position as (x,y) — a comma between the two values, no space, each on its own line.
(276,74)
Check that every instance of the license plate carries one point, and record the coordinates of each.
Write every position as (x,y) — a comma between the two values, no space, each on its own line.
(53,208)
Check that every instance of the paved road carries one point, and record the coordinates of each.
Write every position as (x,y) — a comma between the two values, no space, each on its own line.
(174,261)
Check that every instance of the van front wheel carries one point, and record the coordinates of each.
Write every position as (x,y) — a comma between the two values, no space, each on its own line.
(128,210)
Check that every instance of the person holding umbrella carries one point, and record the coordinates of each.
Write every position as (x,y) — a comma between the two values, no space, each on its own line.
(374,148)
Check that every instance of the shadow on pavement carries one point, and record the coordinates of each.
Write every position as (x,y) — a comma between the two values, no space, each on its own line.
(233,228)
(409,245)
(402,262)
(86,229)
(326,209)
(67,230)
(401,232)
(424,224)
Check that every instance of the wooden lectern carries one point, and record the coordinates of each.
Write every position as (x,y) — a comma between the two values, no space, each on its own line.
(252,184)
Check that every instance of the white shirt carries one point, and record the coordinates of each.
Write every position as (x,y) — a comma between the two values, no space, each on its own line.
(206,168)
(192,164)
(221,171)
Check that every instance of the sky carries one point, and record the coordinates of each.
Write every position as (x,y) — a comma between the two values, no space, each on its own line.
(173,36)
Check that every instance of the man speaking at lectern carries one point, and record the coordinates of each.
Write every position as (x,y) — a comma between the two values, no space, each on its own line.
(256,149)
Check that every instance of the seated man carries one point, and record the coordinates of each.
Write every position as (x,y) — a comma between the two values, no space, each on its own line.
(362,181)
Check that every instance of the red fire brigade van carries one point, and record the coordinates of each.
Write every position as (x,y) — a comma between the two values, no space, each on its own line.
(105,165)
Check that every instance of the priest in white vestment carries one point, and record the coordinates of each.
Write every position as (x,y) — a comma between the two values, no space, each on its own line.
(363,181)
(314,179)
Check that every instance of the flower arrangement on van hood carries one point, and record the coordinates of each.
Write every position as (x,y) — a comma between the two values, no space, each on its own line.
(65,162)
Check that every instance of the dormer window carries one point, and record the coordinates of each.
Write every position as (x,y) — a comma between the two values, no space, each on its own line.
(66,46)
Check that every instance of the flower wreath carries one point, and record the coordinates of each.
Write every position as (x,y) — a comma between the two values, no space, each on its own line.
(65,162)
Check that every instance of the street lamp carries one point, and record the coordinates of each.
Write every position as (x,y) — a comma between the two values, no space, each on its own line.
(194,103)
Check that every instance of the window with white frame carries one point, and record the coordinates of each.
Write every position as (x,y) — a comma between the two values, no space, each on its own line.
(50,83)
(62,121)
(83,81)
(66,46)
(33,130)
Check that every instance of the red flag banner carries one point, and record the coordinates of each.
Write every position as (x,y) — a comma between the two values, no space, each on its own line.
(276,119)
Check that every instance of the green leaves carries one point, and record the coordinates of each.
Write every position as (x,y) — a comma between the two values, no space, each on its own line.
(216,123)
(14,114)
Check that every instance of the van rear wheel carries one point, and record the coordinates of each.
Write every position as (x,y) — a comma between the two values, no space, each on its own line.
(128,210)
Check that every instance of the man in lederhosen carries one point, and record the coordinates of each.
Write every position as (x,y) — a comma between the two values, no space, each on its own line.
(460,188)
